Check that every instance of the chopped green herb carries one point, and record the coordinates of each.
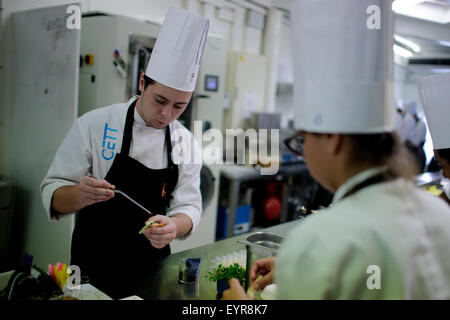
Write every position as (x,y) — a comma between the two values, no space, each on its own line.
(226,273)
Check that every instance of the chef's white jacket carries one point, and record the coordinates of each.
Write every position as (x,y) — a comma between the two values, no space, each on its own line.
(417,132)
(95,139)
(389,232)
(420,133)
(400,126)
(409,124)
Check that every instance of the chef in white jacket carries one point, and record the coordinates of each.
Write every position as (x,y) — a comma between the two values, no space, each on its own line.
(435,95)
(399,124)
(128,147)
(415,133)
(416,128)
(382,238)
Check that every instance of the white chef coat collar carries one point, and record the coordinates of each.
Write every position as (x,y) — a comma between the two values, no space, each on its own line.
(137,118)
(139,121)
(355,180)
(129,102)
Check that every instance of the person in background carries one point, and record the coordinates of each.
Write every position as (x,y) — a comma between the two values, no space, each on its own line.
(435,95)
(415,131)
(128,147)
(382,237)
(399,123)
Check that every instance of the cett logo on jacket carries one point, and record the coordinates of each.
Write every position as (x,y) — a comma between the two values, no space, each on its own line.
(108,144)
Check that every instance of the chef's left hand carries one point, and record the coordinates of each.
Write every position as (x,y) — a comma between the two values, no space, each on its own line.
(161,236)
(236,291)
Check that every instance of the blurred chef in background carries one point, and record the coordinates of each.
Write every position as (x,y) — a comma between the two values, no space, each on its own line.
(400,129)
(411,131)
(435,95)
(382,237)
(415,133)
(128,147)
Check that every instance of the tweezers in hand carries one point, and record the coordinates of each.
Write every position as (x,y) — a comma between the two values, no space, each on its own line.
(127,196)
(132,200)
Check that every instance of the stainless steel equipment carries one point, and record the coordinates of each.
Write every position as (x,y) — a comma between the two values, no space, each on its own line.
(260,245)
(140,50)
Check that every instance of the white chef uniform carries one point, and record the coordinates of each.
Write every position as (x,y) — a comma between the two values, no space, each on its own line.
(389,227)
(95,138)
(393,226)
(420,133)
(416,131)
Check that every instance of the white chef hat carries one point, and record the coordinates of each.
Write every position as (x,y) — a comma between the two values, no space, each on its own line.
(435,96)
(343,66)
(178,50)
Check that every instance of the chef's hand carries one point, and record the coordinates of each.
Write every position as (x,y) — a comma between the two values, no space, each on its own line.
(92,190)
(161,236)
(235,292)
(265,268)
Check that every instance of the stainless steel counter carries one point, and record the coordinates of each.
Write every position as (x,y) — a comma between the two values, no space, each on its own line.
(163,282)
(428,179)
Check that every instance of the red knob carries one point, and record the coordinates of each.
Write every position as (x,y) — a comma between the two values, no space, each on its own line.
(272,208)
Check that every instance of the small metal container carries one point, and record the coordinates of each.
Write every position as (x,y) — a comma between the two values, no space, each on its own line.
(258,246)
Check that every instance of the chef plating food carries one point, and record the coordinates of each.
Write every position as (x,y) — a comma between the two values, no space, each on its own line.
(128,147)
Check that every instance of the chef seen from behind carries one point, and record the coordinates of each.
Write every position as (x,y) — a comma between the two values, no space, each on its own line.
(128,147)
(380,225)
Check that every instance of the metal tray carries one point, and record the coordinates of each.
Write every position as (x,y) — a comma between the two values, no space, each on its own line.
(263,243)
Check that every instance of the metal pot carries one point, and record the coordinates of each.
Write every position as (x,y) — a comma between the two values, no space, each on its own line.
(260,245)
